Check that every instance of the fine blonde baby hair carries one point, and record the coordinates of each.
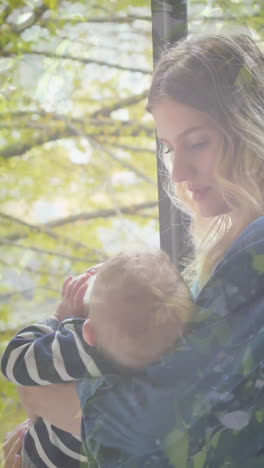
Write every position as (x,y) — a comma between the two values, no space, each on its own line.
(139,305)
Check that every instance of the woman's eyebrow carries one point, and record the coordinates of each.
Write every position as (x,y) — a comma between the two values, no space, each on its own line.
(192,129)
(186,132)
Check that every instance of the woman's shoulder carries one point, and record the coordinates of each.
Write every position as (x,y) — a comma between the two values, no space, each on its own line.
(239,277)
(253,233)
(249,243)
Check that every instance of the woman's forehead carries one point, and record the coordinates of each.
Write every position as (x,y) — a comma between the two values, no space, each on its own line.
(176,119)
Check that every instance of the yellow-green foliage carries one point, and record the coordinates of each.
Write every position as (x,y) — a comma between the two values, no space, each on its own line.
(75,154)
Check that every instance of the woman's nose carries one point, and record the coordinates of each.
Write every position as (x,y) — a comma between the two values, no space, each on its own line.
(182,170)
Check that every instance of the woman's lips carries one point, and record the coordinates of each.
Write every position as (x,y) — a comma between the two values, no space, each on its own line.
(200,194)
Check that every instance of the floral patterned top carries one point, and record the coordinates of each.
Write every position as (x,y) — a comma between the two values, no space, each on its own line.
(202,406)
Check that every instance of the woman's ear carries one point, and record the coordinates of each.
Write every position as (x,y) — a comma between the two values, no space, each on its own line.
(89,333)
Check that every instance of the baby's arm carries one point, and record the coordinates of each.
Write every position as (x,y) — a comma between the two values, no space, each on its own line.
(54,351)
(39,356)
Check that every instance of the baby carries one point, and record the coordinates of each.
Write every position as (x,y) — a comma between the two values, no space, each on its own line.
(137,305)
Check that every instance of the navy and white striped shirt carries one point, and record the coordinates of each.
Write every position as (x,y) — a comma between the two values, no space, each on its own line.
(42,354)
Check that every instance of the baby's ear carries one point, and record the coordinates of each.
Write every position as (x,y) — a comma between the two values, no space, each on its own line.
(89,333)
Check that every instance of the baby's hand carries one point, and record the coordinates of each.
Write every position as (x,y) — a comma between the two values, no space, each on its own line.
(73,292)
(13,444)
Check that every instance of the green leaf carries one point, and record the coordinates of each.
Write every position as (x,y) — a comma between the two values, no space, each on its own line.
(248,361)
(258,263)
(176,448)
(52,4)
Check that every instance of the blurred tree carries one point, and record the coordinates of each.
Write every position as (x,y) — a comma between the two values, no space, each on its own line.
(73,137)
(78,169)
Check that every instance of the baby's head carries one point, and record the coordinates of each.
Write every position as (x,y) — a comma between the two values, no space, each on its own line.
(137,307)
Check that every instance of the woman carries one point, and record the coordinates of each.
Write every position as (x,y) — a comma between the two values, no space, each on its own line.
(203,407)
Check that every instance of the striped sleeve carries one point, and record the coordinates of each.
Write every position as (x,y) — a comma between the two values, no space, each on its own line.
(38,355)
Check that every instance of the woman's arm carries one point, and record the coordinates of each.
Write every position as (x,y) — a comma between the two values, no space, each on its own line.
(57,403)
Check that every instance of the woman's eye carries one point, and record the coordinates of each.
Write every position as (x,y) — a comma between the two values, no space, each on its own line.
(200,145)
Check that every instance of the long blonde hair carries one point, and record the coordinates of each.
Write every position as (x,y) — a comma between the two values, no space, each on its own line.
(223,76)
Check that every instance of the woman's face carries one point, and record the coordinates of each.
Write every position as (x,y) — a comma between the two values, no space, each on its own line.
(195,143)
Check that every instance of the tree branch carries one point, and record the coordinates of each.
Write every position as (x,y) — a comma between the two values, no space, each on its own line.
(36,14)
(90,121)
(126,164)
(5,13)
(32,270)
(60,117)
(135,149)
(19,149)
(130,101)
(80,60)
(224,18)
(111,129)
(50,252)
(107,213)
(43,230)
(101,19)
(6,297)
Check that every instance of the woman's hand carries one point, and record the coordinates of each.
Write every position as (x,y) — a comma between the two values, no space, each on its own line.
(50,401)
(73,291)
(13,445)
